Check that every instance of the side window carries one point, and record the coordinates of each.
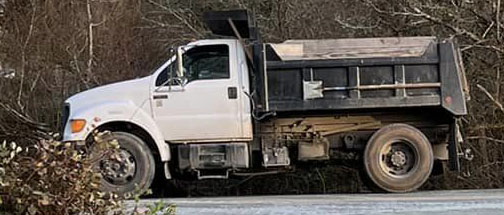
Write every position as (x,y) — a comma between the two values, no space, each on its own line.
(207,62)
(200,63)
(165,74)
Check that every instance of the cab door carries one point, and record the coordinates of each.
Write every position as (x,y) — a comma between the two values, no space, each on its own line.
(207,105)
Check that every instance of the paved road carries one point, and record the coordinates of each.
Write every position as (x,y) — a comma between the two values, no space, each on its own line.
(460,202)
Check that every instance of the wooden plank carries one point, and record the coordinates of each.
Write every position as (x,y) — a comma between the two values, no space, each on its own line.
(352,48)
(288,50)
(386,86)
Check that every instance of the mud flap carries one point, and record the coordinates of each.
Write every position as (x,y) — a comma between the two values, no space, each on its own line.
(453,146)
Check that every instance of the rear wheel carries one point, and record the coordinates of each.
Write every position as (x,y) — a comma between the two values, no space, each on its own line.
(398,158)
(131,170)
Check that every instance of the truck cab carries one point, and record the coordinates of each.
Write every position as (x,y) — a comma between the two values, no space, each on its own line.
(205,101)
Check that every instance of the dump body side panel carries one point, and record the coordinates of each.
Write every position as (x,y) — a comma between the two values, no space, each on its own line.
(298,79)
(453,80)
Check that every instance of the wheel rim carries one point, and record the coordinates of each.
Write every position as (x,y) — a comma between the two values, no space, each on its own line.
(119,168)
(398,158)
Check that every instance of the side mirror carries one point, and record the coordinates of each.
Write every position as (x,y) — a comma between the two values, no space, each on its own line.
(182,81)
(180,78)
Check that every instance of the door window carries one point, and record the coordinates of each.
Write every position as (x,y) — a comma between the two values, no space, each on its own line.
(200,63)
(169,72)
(207,62)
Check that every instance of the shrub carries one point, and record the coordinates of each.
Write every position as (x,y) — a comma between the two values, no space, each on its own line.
(51,177)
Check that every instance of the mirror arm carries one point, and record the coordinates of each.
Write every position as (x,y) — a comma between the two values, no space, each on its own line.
(180,63)
(180,72)
(178,80)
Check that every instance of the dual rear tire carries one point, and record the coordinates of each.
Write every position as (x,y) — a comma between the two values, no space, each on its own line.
(398,158)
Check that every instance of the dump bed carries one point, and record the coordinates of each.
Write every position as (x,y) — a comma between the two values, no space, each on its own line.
(365,73)
(347,74)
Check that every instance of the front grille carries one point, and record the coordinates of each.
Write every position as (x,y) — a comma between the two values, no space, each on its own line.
(65,114)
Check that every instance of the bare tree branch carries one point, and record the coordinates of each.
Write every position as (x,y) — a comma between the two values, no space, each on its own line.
(497,103)
(23,51)
(176,15)
(355,27)
(485,138)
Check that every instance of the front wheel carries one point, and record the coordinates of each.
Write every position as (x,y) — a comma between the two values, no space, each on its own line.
(398,158)
(131,170)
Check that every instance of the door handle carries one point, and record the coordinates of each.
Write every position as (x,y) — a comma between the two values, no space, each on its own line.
(160,96)
(232,93)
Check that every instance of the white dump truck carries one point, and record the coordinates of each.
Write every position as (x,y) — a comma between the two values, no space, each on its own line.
(234,106)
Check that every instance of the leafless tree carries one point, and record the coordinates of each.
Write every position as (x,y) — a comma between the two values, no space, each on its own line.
(57,48)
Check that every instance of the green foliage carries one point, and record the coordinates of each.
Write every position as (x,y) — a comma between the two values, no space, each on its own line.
(51,177)
(159,207)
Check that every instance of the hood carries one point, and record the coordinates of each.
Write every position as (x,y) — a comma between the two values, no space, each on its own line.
(136,91)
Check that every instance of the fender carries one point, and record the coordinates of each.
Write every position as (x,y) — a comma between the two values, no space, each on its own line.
(117,111)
